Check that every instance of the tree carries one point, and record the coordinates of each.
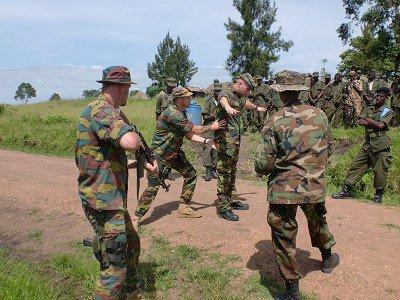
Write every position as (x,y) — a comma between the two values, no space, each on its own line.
(55,97)
(25,92)
(382,17)
(89,94)
(171,60)
(369,52)
(153,90)
(254,45)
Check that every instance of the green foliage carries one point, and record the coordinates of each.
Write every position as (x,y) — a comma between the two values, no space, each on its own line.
(25,92)
(90,94)
(23,280)
(369,52)
(153,90)
(55,97)
(171,60)
(254,45)
(382,18)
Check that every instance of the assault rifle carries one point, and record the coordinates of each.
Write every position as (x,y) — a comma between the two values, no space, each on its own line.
(145,154)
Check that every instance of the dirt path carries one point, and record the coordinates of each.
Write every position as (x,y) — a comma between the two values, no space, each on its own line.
(38,199)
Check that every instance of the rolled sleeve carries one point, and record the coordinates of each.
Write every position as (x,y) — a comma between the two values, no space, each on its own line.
(182,123)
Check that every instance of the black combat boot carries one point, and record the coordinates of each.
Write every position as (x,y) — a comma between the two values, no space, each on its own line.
(329,260)
(228,215)
(209,175)
(292,291)
(378,196)
(239,205)
(214,173)
(343,194)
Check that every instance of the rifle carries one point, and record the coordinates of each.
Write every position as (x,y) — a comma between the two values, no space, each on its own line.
(145,154)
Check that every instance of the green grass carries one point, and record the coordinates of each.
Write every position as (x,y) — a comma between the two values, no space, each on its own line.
(35,235)
(49,128)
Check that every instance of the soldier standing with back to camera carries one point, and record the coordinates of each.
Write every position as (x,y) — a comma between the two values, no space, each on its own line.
(231,102)
(375,152)
(102,139)
(295,145)
(209,113)
(172,127)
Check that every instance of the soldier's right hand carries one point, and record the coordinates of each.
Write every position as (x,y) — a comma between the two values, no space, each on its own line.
(231,111)
(219,124)
(151,168)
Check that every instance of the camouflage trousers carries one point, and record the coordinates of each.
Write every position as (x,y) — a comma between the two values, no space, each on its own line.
(379,161)
(282,220)
(209,154)
(116,245)
(183,167)
(226,168)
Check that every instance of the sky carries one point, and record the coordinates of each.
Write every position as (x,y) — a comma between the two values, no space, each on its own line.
(62,46)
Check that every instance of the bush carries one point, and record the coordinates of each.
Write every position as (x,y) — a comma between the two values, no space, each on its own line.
(55,97)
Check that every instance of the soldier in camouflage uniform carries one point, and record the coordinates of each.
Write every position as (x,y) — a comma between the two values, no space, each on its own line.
(375,152)
(259,98)
(316,90)
(354,100)
(102,138)
(295,145)
(209,113)
(322,103)
(373,84)
(165,99)
(395,103)
(172,127)
(231,102)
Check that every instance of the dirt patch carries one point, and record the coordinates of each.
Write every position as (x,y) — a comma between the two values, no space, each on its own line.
(39,194)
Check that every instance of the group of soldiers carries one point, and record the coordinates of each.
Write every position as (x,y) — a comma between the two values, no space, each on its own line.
(295,145)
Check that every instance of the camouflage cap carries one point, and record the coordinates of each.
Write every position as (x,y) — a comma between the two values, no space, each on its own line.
(116,74)
(327,75)
(216,81)
(289,81)
(180,92)
(383,89)
(172,82)
(246,77)
(315,74)
(217,87)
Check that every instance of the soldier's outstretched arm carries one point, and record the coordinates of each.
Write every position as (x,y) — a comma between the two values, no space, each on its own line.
(219,124)
(130,141)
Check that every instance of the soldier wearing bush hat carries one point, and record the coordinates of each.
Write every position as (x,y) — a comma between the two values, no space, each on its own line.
(231,102)
(375,152)
(295,145)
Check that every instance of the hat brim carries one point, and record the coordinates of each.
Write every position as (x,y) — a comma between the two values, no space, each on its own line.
(288,87)
(115,81)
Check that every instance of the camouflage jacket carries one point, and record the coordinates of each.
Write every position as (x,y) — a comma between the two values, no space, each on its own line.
(171,128)
(163,101)
(209,110)
(227,140)
(295,145)
(102,163)
(377,140)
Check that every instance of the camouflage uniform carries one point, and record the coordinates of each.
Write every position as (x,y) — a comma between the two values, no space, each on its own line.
(228,144)
(395,103)
(165,99)
(375,152)
(172,126)
(102,186)
(295,145)
(354,102)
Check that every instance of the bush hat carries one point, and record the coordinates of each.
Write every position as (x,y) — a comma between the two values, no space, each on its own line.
(116,74)
(289,81)
(180,92)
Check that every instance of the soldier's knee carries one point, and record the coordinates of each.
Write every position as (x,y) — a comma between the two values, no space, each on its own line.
(111,251)
(274,219)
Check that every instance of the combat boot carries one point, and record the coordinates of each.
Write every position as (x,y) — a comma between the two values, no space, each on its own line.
(343,194)
(209,174)
(378,196)
(292,291)
(135,221)
(239,205)
(228,215)
(185,211)
(329,260)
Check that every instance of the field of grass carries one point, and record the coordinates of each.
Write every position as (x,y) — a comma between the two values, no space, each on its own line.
(165,271)
(49,128)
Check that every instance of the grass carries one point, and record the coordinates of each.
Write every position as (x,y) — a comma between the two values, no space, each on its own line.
(49,128)
(166,271)
(390,226)
(35,235)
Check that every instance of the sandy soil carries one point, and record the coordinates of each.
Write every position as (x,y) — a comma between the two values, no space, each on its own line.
(39,194)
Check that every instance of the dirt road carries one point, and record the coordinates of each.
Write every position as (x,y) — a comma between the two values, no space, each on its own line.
(38,197)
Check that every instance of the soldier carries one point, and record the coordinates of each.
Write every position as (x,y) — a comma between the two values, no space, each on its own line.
(327,86)
(295,145)
(354,100)
(375,152)
(316,90)
(334,100)
(165,99)
(373,84)
(231,102)
(172,127)
(209,113)
(259,97)
(395,104)
(102,138)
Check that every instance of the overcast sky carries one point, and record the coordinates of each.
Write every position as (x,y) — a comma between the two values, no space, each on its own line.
(61,46)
